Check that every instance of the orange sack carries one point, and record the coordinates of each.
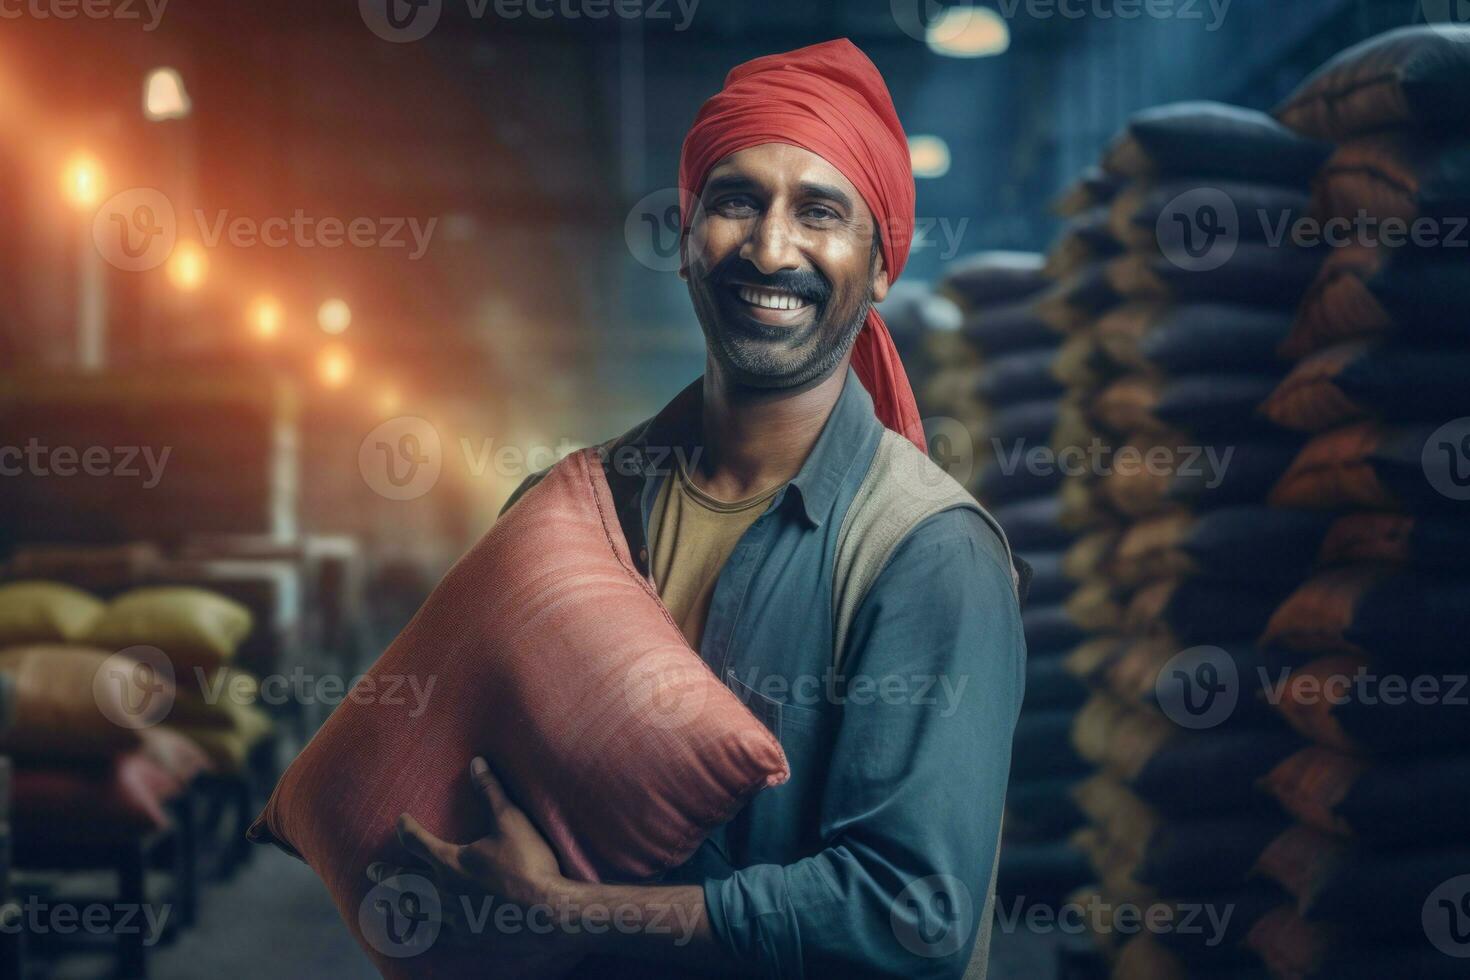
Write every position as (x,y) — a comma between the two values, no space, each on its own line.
(552,657)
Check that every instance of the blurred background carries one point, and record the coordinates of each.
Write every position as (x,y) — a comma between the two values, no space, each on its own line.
(298,293)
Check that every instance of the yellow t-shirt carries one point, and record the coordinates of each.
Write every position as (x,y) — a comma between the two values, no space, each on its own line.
(690,537)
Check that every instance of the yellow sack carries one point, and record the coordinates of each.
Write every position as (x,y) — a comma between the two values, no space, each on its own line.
(229,748)
(45,612)
(194,627)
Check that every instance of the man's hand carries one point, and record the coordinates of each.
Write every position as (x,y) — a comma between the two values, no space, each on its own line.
(512,862)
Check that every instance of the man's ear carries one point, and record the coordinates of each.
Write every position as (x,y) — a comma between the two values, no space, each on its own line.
(880,282)
(683,252)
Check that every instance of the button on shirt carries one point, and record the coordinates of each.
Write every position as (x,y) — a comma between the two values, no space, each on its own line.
(898,762)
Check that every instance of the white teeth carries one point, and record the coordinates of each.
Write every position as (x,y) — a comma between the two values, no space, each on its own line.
(771,299)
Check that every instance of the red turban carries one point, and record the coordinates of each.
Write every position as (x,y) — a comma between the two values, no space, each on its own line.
(829,99)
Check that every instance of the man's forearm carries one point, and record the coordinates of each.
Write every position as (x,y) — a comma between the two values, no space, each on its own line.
(660,923)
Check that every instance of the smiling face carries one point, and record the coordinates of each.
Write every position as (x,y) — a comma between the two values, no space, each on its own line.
(782,261)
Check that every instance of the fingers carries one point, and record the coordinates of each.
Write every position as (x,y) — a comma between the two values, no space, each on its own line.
(424,845)
(486,782)
(381,871)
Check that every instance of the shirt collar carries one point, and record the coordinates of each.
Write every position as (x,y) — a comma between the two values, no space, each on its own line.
(850,429)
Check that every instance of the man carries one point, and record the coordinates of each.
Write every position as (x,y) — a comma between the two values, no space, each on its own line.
(877,857)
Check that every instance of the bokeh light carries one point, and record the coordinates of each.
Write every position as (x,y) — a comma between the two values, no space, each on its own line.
(334,316)
(187,266)
(81,181)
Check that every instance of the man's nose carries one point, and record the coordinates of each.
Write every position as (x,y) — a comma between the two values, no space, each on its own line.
(772,245)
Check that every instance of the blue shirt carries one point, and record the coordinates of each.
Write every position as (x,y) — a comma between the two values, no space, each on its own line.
(875,857)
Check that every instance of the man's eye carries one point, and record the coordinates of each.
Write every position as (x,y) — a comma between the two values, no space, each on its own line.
(818,212)
(735,206)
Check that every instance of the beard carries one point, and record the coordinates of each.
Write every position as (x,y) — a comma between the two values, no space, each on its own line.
(761,355)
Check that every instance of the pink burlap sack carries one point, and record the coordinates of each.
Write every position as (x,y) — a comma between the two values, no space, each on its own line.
(552,657)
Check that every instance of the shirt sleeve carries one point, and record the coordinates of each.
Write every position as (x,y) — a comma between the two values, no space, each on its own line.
(911,814)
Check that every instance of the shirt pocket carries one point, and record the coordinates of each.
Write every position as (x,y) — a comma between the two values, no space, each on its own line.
(799,729)
(767,709)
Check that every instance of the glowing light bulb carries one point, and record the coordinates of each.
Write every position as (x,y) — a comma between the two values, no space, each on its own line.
(929,156)
(969,32)
(334,316)
(265,317)
(164,96)
(334,367)
(187,266)
(81,181)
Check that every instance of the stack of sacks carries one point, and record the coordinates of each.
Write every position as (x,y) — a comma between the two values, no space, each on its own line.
(125,702)
(200,632)
(1365,653)
(83,775)
(996,287)
(915,315)
(1171,346)
(1000,384)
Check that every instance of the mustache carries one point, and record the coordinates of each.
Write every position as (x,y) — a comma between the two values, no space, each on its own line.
(809,284)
